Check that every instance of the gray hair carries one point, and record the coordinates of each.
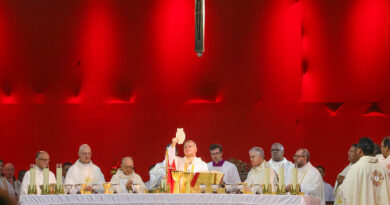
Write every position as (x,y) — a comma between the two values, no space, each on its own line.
(278,144)
(83,146)
(257,150)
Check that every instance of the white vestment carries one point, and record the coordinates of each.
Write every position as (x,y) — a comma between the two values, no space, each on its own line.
(122,179)
(80,173)
(256,176)
(156,174)
(6,186)
(311,181)
(343,173)
(328,191)
(365,183)
(229,170)
(197,165)
(38,180)
(287,168)
(385,162)
(18,185)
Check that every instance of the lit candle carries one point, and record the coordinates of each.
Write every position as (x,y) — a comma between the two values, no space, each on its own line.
(281,176)
(32,174)
(45,176)
(59,174)
(266,175)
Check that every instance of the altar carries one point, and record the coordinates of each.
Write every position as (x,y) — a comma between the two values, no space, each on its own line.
(110,199)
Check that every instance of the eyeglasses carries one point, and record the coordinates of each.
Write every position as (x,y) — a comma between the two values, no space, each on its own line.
(216,153)
(128,167)
(276,150)
(297,156)
(45,160)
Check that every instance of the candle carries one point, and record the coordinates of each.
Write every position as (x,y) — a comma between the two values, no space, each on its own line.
(281,176)
(45,176)
(294,176)
(59,175)
(32,174)
(266,176)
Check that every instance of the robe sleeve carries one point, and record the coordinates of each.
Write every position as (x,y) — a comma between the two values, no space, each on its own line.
(52,178)
(25,183)
(233,172)
(171,154)
(100,176)
(70,176)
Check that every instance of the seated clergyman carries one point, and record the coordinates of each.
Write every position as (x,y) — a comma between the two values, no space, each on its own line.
(42,160)
(278,160)
(126,177)
(188,163)
(229,170)
(309,178)
(257,174)
(84,171)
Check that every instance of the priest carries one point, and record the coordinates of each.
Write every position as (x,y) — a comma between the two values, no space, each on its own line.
(188,163)
(229,170)
(366,181)
(126,176)
(384,160)
(309,178)
(42,160)
(353,157)
(278,160)
(257,173)
(83,171)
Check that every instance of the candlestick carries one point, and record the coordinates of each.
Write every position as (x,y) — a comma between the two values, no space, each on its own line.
(32,175)
(281,176)
(59,174)
(45,177)
(294,177)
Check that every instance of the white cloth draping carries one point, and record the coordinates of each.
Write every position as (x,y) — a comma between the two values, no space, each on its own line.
(108,199)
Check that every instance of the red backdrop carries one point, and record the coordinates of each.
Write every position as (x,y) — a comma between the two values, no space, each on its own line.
(123,75)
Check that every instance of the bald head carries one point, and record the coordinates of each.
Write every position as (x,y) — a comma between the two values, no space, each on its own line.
(127,165)
(85,154)
(190,149)
(9,170)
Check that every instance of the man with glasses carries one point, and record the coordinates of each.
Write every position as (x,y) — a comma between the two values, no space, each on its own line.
(125,177)
(309,178)
(366,181)
(84,171)
(230,171)
(42,160)
(4,184)
(278,160)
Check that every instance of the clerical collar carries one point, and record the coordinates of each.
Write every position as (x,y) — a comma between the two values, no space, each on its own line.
(219,164)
